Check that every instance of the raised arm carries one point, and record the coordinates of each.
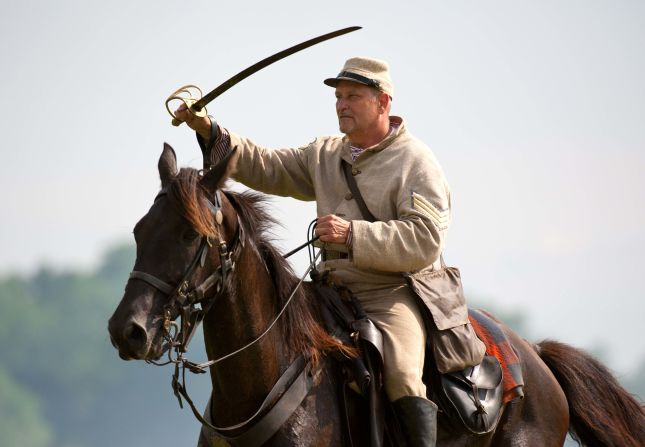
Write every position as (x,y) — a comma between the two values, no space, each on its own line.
(283,172)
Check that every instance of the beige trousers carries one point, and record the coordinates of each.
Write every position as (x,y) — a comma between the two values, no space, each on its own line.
(395,312)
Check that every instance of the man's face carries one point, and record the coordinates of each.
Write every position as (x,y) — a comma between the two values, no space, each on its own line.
(357,107)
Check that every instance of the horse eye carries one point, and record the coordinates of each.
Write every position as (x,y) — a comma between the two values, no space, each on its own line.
(190,235)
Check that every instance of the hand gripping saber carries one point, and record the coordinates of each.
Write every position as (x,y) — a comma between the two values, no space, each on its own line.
(191,95)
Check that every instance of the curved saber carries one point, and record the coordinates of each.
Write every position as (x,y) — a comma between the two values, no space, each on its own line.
(198,107)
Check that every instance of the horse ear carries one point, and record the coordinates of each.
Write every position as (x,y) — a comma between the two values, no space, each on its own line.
(219,173)
(167,164)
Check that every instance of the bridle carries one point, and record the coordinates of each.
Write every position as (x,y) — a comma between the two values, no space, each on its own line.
(191,303)
(188,302)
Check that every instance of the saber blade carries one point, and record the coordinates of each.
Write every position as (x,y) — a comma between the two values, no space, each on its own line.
(199,105)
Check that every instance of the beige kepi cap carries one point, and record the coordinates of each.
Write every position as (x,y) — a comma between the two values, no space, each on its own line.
(365,70)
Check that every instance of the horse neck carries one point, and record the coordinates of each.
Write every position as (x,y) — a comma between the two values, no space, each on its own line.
(241,382)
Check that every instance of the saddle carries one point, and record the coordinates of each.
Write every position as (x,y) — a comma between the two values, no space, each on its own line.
(471,398)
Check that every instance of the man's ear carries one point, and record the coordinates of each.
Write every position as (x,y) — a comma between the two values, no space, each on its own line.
(384,101)
(215,178)
(167,164)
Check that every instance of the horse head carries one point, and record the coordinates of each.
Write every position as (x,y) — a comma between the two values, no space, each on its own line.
(180,242)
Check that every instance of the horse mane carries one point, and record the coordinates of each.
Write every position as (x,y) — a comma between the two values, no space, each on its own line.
(299,325)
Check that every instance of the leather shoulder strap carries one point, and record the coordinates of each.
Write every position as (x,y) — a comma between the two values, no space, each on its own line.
(356,193)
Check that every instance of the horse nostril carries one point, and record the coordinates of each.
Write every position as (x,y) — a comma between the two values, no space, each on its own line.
(136,335)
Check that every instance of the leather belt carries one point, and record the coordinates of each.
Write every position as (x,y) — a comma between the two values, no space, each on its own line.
(329,255)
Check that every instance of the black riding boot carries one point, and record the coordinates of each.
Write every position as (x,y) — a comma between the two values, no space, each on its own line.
(418,419)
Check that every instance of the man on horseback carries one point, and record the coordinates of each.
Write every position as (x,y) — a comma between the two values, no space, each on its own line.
(404,188)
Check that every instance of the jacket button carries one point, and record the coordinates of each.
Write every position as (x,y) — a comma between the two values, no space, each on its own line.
(355,171)
(349,196)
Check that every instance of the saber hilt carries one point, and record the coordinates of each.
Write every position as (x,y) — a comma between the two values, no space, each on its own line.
(189,95)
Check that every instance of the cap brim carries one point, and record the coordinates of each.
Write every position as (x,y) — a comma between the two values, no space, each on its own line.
(333,82)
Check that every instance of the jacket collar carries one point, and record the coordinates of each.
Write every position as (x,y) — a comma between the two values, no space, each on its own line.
(387,141)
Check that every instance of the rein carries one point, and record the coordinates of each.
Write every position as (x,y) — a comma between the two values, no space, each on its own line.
(192,304)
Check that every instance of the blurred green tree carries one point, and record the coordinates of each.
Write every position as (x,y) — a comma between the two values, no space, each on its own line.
(60,372)
(22,422)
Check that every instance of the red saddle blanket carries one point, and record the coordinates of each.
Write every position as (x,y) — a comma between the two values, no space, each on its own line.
(497,344)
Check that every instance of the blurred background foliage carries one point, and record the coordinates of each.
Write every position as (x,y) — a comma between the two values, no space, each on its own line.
(62,383)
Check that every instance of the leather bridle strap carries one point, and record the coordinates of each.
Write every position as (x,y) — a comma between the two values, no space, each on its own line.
(266,331)
(180,292)
(153,281)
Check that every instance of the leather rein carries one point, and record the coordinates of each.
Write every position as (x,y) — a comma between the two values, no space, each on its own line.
(191,304)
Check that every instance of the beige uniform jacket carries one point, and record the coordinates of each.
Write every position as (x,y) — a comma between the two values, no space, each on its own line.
(403,186)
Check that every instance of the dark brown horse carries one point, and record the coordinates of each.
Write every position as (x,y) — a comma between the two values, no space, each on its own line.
(245,286)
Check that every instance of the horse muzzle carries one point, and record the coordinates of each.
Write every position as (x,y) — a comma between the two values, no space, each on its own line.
(135,334)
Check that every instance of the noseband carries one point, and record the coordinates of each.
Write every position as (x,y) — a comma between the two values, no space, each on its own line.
(191,303)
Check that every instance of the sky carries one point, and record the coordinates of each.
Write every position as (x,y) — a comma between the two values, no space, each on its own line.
(535,109)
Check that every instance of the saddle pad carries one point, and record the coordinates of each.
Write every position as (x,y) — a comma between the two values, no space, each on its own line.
(497,344)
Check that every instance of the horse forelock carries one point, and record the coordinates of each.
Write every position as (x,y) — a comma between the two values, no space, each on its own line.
(188,198)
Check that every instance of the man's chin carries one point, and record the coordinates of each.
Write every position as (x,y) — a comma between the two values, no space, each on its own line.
(344,128)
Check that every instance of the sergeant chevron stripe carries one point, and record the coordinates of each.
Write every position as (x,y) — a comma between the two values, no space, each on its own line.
(441,218)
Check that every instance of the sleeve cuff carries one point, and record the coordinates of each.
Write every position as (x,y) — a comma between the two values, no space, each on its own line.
(217,146)
(203,144)
(350,236)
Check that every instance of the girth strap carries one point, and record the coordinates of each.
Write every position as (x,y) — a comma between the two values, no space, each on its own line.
(262,429)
